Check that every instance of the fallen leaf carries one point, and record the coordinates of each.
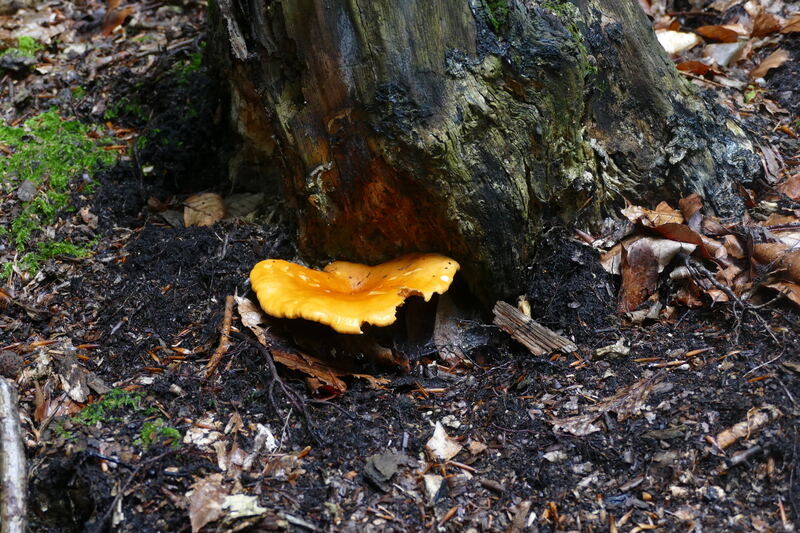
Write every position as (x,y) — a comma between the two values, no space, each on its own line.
(441,447)
(787,288)
(324,378)
(734,247)
(205,501)
(782,259)
(718,33)
(724,54)
(774,60)
(676,42)
(662,214)
(204,209)
(639,275)
(765,24)
(432,483)
(689,295)
(695,67)
(114,19)
(612,351)
(691,209)
(380,467)
(475,447)
(792,25)
(611,261)
(791,187)
(89,218)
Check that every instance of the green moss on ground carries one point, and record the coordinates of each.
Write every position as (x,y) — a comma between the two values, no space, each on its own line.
(56,157)
(119,405)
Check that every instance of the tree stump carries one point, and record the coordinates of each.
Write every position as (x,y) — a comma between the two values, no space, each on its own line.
(461,126)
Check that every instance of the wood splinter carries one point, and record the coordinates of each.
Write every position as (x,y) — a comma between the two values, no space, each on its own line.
(13,472)
(224,340)
(535,337)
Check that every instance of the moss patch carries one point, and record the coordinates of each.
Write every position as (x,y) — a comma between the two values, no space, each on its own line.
(119,405)
(50,158)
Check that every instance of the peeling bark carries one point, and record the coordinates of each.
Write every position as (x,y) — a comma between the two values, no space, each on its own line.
(447,126)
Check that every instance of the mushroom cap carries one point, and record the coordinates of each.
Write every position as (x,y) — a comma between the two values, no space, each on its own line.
(347,295)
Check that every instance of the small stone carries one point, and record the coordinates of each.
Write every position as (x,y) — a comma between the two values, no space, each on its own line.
(433,484)
(26,191)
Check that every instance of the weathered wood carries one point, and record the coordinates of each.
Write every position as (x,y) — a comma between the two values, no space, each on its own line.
(535,337)
(456,127)
(13,473)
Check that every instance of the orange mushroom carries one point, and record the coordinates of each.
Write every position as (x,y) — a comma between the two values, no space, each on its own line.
(347,295)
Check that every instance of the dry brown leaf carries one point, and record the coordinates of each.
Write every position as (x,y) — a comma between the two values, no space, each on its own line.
(765,24)
(114,19)
(783,259)
(205,501)
(690,295)
(718,33)
(611,261)
(791,187)
(787,288)
(204,209)
(776,219)
(691,208)
(727,275)
(639,275)
(734,247)
(662,214)
(323,378)
(695,67)
(792,25)
(774,60)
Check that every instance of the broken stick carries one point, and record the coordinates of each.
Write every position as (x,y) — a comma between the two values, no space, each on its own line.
(13,473)
(224,339)
(535,337)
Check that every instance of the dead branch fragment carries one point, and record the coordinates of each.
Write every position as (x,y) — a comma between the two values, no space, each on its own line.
(757,419)
(13,474)
(535,337)
(224,339)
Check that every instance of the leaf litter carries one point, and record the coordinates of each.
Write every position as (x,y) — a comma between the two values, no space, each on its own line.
(143,312)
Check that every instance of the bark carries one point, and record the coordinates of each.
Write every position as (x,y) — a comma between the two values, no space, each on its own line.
(460,126)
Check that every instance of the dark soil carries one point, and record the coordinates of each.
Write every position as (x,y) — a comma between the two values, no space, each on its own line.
(143,314)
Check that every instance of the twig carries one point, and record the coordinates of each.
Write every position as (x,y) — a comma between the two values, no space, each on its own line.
(290,394)
(699,270)
(13,473)
(224,339)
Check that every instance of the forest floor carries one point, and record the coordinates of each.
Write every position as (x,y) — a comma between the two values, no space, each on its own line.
(111,309)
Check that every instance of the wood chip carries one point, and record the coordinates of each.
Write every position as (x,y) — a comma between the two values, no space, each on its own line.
(535,337)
